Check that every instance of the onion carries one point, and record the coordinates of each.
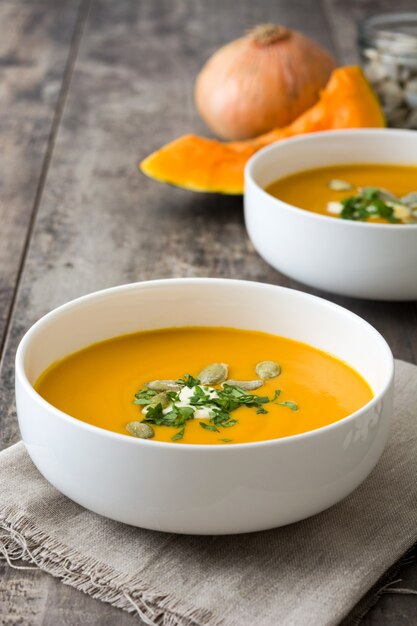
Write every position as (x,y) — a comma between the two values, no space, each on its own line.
(261,81)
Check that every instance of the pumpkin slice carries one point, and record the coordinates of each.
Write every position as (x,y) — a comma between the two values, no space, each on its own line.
(209,165)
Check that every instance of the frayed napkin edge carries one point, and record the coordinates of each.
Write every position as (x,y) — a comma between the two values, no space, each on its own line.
(380,588)
(21,540)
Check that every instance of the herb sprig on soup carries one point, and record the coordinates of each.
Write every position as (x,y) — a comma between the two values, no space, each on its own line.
(240,386)
(211,397)
(385,194)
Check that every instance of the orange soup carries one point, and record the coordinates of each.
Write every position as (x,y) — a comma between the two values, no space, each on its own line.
(200,385)
(375,193)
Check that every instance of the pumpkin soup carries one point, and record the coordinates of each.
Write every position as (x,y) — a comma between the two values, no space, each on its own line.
(203,385)
(385,194)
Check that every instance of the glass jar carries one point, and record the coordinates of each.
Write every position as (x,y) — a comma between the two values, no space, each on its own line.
(388,47)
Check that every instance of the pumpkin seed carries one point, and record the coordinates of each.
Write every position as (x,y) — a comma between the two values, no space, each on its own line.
(268,369)
(164,385)
(246,385)
(410,199)
(160,398)
(140,430)
(339,185)
(383,194)
(214,374)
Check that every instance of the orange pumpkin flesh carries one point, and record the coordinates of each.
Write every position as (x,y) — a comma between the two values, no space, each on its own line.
(208,165)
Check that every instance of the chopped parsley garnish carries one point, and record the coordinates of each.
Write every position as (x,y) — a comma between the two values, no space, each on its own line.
(178,435)
(290,405)
(209,427)
(175,408)
(367,204)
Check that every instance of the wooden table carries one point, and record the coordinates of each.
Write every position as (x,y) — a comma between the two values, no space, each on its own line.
(89,87)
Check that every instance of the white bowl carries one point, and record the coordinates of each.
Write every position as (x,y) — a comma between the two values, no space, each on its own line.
(376,261)
(203,489)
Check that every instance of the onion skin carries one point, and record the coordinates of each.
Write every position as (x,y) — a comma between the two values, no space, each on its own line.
(261,81)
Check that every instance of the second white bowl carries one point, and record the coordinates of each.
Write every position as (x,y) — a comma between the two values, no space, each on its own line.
(376,261)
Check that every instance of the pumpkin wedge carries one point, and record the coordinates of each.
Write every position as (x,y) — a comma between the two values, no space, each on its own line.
(209,165)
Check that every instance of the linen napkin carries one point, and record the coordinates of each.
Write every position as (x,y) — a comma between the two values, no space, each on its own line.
(312,572)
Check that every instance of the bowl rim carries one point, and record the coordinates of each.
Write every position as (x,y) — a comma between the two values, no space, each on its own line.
(359,133)
(22,379)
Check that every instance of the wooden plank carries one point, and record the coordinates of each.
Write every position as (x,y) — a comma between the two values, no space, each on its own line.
(34,47)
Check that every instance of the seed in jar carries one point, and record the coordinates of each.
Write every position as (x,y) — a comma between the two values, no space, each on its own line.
(410,93)
(404,74)
(370,53)
(392,71)
(375,71)
(411,121)
(391,94)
